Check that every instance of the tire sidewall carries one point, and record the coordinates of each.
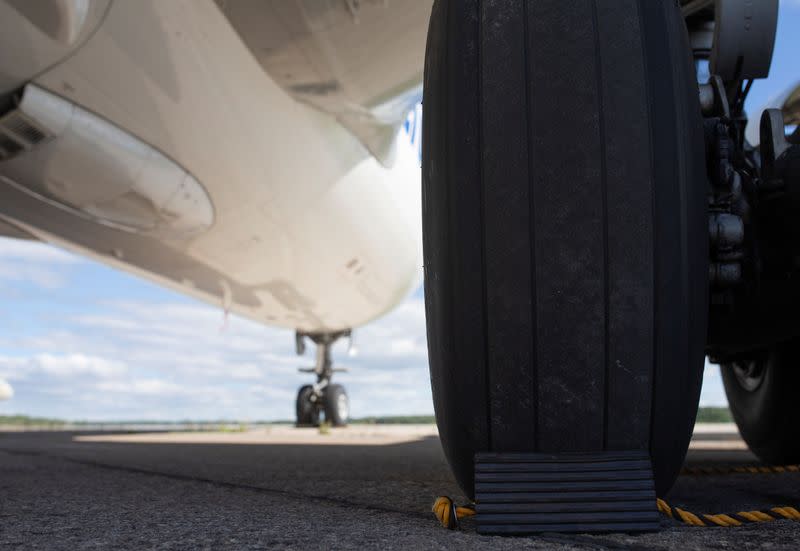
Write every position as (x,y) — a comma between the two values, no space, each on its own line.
(333,395)
(764,415)
(306,411)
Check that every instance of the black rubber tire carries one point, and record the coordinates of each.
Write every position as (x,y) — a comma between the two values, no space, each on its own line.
(307,411)
(333,412)
(565,229)
(765,414)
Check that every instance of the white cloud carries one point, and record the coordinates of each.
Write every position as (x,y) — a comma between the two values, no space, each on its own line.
(34,251)
(39,276)
(150,387)
(34,262)
(6,392)
(713,393)
(179,360)
(60,367)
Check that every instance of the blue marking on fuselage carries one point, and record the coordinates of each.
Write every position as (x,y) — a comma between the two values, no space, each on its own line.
(413,128)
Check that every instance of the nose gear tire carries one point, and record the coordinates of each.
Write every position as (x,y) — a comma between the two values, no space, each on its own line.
(337,405)
(307,411)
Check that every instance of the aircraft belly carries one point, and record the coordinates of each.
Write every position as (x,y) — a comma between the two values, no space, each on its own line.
(335,267)
(307,230)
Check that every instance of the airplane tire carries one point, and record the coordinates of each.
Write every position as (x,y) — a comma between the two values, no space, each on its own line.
(337,405)
(565,229)
(762,394)
(307,412)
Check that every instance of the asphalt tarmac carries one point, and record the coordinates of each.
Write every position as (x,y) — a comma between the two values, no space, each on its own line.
(286,488)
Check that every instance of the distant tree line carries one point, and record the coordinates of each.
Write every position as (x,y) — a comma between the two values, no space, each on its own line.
(714,415)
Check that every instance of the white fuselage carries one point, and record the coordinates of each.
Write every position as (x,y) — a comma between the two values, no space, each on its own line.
(305,229)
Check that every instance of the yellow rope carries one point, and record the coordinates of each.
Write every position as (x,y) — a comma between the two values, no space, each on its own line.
(448,514)
(742,469)
(723,519)
(689,517)
(787,512)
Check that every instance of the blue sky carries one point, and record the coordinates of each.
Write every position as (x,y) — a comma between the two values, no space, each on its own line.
(79,340)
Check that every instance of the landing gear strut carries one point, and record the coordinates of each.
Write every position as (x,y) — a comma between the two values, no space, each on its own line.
(323,398)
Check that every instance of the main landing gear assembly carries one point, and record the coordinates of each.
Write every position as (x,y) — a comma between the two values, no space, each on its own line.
(323,399)
(595,223)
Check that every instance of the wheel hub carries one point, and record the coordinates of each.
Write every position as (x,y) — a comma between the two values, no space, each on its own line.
(343,405)
(750,373)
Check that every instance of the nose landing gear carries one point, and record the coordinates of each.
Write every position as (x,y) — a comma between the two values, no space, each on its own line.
(322,399)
